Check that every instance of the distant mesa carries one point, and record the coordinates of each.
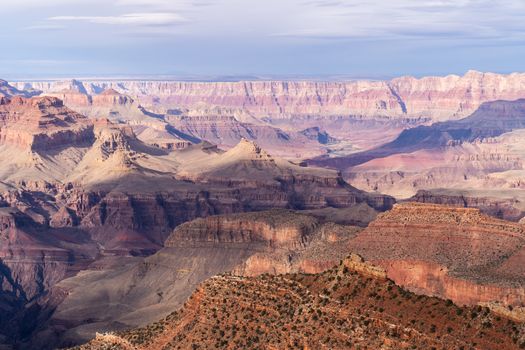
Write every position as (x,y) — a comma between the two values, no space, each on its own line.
(41,123)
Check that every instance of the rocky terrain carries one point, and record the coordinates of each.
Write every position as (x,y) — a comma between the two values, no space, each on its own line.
(358,114)
(249,244)
(85,193)
(447,252)
(41,123)
(454,253)
(118,199)
(352,305)
(478,157)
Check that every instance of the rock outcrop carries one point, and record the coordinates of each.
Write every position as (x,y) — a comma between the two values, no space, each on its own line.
(42,123)
(453,253)
(342,308)
(276,241)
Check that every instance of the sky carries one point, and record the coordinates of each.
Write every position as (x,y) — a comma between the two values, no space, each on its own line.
(259,38)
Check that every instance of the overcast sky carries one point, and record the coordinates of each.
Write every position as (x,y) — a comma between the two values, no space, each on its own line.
(355,38)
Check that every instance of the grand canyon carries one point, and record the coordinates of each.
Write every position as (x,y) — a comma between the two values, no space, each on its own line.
(134,211)
(279,174)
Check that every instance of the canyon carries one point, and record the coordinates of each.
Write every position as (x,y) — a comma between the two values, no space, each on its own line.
(454,254)
(357,115)
(84,195)
(123,203)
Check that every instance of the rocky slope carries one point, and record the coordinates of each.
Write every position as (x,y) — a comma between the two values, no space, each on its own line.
(274,241)
(7,90)
(490,120)
(41,123)
(352,305)
(454,253)
(440,98)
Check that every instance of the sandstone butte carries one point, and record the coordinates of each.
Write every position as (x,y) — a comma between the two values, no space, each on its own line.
(437,98)
(41,123)
(454,253)
(352,305)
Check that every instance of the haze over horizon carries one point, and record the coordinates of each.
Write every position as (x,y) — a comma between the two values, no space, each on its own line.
(203,38)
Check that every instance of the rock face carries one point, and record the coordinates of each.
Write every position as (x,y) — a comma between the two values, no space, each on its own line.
(42,123)
(480,156)
(276,241)
(454,253)
(499,208)
(440,98)
(351,305)
(32,261)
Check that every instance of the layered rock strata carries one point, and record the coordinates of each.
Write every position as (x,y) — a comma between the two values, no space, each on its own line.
(440,98)
(250,244)
(454,253)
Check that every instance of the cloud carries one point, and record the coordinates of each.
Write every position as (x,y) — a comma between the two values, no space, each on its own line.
(39,62)
(140,19)
(44,27)
(401,19)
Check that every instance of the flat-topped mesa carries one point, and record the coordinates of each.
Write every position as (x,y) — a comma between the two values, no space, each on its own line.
(500,208)
(455,253)
(472,238)
(413,213)
(110,97)
(276,228)
(42,123)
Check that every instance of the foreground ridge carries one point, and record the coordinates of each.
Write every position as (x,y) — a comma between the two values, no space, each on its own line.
(352,305)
